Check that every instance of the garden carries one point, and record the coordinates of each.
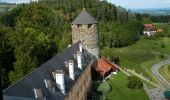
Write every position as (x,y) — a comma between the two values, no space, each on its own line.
(116,88)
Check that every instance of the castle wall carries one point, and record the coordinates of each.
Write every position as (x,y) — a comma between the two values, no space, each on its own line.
(81,86)
(89,36)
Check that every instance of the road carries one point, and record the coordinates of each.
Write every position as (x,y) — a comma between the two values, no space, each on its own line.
(156,73)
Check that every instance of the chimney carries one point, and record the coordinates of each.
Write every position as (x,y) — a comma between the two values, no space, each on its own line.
(38,94)
(71,69)
(80,47)
(79,59)
(60,80)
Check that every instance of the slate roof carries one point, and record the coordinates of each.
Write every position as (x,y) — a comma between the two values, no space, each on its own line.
(149,29)
(84,18)
(23,89)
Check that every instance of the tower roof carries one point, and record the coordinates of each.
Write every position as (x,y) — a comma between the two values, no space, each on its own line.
(84,18)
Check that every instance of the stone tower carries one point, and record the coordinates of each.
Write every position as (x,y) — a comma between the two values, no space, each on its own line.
(85,29)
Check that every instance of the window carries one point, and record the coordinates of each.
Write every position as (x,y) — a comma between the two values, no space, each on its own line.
(79,25)
(89,25)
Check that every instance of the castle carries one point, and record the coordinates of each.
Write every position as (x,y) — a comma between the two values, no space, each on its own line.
(68,75)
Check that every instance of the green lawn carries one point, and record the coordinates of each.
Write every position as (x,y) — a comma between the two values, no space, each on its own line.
(165,72)
(121,92)
(141,55)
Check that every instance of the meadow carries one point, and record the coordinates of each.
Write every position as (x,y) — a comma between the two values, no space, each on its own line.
(142,55)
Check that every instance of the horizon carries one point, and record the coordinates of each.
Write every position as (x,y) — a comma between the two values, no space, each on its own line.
(141,4)
(128,4)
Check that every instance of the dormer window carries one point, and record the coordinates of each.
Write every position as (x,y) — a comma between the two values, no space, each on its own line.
(89,25)
(79,25)
(38,93)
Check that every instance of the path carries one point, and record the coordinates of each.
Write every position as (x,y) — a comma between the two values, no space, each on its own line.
(156,73)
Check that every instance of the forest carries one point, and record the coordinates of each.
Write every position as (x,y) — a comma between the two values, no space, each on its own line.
(31,34)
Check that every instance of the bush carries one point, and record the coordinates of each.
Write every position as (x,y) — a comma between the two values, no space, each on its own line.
(104,88)
(134,83)
(162,45)
(162,56)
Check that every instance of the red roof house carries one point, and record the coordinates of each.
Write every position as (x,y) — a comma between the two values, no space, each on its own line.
(104,67)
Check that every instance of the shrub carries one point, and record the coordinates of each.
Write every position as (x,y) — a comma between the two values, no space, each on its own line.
(134,82)
(162,56)
(104,88)
(162,45)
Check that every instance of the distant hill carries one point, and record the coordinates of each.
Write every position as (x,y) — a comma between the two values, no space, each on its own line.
(156,11)
(6,7)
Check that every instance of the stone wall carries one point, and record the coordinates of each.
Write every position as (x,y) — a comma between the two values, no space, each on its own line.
(88,35)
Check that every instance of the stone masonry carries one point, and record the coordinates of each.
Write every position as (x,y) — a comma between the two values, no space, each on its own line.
(88,34)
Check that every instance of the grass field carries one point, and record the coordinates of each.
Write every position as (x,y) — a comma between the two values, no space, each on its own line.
(165,72)
(141,55)
(121,92)
(164,26)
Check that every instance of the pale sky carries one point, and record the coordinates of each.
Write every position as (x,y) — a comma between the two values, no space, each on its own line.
(124,3)
(15,1)
(142,3)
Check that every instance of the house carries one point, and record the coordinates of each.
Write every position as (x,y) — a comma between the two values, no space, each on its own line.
(149,30)
(68,75)
(148,25)
(105,68)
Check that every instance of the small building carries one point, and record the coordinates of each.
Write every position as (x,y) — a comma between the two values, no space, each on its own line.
(104,68)
(169,22)
(149,30)
(148,25)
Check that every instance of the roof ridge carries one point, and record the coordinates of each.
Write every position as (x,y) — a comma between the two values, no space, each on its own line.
(84,18)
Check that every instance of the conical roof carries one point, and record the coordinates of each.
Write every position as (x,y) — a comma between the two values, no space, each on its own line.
(84,18)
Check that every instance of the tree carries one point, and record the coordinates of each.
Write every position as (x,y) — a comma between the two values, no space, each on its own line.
(147,20)
(6,56)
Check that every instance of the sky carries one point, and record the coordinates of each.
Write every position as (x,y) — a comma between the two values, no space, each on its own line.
(15,1)
(130,4)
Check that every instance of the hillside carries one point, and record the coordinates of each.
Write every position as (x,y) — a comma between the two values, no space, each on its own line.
(4,7)
(154,12)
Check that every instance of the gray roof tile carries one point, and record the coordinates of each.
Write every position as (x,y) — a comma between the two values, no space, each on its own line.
(24,87)
(84,18)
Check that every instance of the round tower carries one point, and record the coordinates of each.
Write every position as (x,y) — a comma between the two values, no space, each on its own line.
(85,29)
